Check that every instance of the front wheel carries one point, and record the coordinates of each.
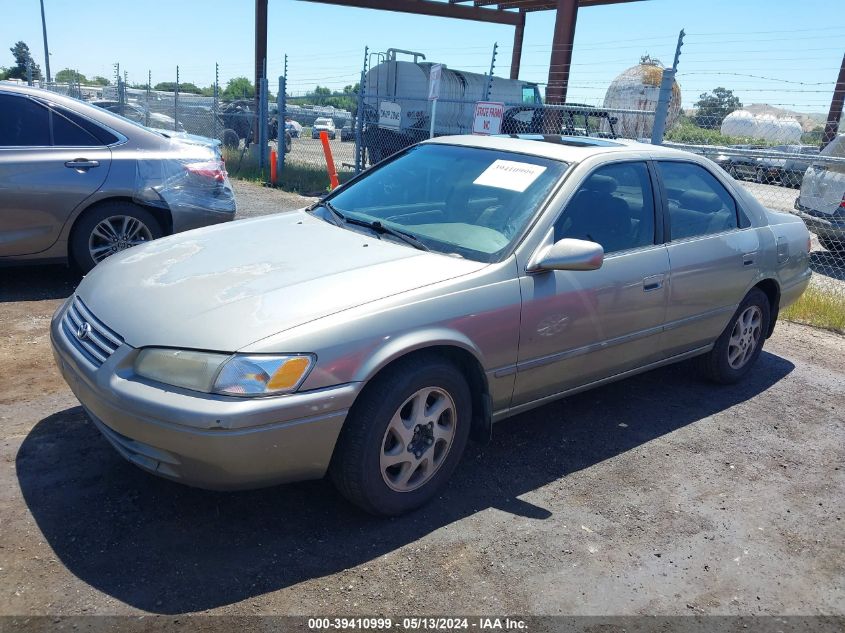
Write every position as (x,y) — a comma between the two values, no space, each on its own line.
(404,437)
(739,346)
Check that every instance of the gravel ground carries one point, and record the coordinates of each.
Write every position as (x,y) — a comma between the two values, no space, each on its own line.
(255,199)
(660,494)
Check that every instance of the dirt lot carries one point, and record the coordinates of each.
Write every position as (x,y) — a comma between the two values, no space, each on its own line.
(660,494)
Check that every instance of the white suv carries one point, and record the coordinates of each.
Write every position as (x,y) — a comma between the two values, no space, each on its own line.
(323,124)
(821,203)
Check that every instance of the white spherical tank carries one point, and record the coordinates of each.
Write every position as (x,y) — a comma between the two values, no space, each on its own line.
(638,88)
(739,123)
(763,127)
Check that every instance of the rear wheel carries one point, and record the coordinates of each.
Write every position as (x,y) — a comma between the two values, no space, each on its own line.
(739,346)
(109,228)
(404,437)
(230,138)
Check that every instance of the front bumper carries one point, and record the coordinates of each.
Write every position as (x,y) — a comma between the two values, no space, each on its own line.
(204,440)
(829,226)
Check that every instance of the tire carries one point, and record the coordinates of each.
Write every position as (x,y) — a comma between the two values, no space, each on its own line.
(369,443)
(744,335)
(288,143)
(759,177)
(230,139)
(92,228)
(834,246)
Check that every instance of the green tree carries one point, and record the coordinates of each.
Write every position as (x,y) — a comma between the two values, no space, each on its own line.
(20,51)
(170,86)
(239,88)
(68,75)
(711,109)
(4,73)
(97,80)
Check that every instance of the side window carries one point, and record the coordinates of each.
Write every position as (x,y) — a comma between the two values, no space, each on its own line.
(101,134)
(698,204)
(23,122)
(68,134)
(614,207)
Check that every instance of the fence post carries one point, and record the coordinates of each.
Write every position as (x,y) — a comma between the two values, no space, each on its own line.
(281,132)
(661,113)
(215,104)
(489,83)
(359,120)
(149,88)
(263,162)
(29,72)
(176,103)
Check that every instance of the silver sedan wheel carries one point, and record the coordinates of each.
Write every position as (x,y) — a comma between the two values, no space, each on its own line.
(115,234)
(745,337)
(418,439)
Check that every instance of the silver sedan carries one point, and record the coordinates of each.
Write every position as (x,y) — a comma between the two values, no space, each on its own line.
(464,280)
(78,183)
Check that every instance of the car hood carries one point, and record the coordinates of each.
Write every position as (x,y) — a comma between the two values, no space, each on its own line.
(226,286)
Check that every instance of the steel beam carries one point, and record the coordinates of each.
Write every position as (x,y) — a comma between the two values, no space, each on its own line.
(430,7)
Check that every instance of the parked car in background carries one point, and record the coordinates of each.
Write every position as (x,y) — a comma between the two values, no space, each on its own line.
(789,170)
(293,128)
(470,279)
(323,124)
(739,166)
(138,114)
(346,133)
(79,183)
(821,202)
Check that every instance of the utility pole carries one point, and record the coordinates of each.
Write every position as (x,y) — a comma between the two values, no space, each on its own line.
(46,49)
(831,128)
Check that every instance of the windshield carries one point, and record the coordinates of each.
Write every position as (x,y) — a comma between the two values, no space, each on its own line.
(458,200)
(322,122)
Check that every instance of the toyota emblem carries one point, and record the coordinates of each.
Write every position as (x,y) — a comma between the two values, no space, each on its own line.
(83,331)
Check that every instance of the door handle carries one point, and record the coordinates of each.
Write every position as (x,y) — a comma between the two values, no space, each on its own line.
(654,282)
(82,163)
(748,259)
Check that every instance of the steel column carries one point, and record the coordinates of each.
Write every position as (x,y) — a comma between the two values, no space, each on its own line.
(518,35)
(831,128)
(563,40)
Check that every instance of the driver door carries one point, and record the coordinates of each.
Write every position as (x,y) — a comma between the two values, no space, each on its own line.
(582,326)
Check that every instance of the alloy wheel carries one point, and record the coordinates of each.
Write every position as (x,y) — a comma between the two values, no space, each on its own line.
(116,233)
(745,337)
(417,439)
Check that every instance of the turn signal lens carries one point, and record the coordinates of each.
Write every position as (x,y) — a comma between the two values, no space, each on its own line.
(289,373)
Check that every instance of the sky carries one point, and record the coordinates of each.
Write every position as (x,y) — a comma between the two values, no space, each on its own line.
(779,52)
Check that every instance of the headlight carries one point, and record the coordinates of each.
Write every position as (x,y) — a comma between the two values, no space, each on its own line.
(236,375)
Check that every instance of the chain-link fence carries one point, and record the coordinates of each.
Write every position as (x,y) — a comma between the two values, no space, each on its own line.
(781,163)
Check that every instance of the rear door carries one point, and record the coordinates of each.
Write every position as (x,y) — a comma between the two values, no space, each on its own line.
(713,254)
(48,166)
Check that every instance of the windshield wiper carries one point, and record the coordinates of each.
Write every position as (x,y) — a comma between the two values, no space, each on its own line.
(337,216)
(381,229)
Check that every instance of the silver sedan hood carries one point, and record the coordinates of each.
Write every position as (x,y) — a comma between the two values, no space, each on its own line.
(226,286)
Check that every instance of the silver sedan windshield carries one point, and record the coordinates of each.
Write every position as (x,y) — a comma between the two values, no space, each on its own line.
(460,200)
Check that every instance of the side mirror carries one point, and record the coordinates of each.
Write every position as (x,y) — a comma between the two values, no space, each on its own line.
(568,254)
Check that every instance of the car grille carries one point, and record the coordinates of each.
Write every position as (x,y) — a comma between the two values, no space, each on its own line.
(90,336)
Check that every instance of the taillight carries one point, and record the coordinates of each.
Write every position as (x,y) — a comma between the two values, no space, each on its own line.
(842,204)
(213,169)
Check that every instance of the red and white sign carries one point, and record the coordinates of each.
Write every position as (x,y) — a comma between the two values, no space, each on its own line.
(488,117)
(434,82)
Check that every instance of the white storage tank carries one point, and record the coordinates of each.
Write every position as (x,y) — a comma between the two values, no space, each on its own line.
(638,88)
(739,123)
(763,127)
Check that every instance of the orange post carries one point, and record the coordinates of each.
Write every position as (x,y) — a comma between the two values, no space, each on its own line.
(324,138)
(273,167)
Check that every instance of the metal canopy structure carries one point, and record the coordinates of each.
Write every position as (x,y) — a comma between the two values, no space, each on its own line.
(510,12)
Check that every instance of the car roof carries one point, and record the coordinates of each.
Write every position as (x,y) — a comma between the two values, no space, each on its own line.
(566,148)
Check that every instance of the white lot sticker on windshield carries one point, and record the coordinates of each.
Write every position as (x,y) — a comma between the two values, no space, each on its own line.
(509,174)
